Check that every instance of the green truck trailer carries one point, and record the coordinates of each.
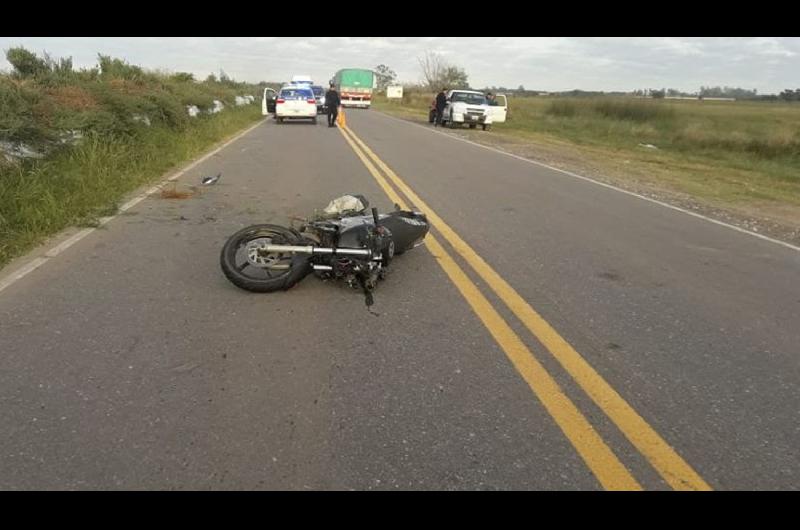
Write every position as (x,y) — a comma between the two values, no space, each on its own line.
(355,86)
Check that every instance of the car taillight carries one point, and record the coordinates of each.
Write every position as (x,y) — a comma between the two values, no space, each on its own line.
(312,101)
(279,100)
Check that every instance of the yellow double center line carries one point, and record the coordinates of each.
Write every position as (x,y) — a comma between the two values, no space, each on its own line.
(600,459)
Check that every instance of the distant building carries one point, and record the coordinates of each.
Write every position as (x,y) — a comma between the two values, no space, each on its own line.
(702,98)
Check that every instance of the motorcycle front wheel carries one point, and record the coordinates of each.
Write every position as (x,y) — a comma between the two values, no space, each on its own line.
(245,263)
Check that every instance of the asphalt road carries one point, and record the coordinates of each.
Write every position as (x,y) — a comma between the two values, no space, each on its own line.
(129,362)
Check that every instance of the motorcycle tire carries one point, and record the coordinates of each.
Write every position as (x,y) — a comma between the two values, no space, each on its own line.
(299,266)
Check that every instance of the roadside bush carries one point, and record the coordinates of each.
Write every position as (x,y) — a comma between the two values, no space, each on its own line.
(168,110)
(45,103)
(190,93)
(26,64)
(18,122)
(111,68)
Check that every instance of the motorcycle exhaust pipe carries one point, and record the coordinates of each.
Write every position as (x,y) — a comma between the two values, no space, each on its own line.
(315,250)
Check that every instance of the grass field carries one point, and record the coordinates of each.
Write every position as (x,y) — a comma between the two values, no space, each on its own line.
(740,154)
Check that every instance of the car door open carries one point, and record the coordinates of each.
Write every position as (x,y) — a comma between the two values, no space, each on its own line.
(500,111)
(268,102)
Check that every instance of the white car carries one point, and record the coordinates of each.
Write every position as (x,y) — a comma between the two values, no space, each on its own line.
(471,107)
(296,102)
(319,93)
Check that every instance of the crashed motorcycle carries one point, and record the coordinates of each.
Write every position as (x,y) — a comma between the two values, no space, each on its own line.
(343,242)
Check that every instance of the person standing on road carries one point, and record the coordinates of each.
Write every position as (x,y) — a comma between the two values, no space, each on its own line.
(441,101)
(332,101)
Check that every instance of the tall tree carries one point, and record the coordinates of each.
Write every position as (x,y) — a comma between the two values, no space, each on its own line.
(386,76)
(438,73)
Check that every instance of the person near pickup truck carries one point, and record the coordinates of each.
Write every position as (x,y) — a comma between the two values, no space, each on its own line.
(441,102)
(332,101)
(491,100)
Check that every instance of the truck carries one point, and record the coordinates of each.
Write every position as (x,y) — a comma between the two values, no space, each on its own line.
(471,107)
(355,86)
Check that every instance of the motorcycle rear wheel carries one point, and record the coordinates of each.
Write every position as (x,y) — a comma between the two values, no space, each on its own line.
(252,270)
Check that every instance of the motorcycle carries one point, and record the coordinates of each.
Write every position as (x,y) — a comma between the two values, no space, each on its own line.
(341,243)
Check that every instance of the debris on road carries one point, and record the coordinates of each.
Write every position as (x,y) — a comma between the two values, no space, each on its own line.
(209,181)
(174,193)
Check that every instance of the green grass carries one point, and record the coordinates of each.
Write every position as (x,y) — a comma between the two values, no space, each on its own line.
(78,185)
(735,153)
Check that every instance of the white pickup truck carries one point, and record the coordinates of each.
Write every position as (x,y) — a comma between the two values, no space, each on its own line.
(471,107)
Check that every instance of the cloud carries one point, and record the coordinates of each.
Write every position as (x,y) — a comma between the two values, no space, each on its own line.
(768,64)
(772,47)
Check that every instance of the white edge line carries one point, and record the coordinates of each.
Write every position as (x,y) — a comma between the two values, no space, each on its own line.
(64,245)
(21,272)
(606,185)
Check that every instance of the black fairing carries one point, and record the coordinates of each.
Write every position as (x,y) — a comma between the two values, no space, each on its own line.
(406,229)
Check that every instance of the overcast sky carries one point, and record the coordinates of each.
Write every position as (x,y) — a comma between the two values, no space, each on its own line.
(768,64)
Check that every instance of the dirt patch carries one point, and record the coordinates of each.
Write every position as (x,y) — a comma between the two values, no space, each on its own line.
(174,193)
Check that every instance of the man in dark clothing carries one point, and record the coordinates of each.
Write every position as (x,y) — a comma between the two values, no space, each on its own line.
(332,101)
(441,101)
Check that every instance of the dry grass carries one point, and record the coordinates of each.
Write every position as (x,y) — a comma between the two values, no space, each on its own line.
(126,86)
(73,97)
(174,193)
